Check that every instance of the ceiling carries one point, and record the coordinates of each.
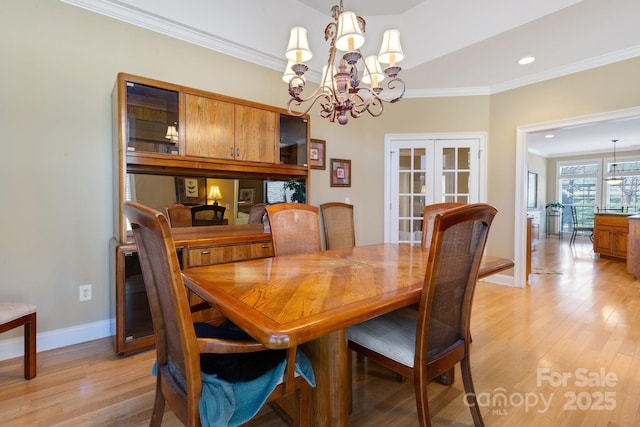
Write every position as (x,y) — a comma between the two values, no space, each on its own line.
(452,48)
(593,137)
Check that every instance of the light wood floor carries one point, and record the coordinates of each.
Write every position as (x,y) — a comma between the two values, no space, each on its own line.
(579,318)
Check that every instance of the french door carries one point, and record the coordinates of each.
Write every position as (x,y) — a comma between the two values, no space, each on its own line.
(425,169)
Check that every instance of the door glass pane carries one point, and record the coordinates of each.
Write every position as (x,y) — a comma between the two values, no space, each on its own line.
(418,206)
(405,159)
(463,182)
(404,208)
(419,183)
(464,158)
(420,158)
(404,182)
(448,158)
(448,182)
(404,227)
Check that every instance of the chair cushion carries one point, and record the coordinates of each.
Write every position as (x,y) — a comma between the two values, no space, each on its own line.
(13,310)
(235,367)
(393,335)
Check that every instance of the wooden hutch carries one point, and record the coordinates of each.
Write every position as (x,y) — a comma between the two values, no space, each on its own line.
(168,137)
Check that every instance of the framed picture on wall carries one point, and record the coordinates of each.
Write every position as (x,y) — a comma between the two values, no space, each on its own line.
(532,190)
(340,173)
(317,156)
(191,191)
(246,195)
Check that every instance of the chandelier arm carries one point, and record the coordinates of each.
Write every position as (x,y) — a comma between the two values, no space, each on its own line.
(317,96)
(362,23)
(330,31)
(391,85)
(373,104)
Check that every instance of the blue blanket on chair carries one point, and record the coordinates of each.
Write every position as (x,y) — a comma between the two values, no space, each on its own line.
(225,404)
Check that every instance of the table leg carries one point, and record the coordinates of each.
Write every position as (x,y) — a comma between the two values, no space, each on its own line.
(329,403)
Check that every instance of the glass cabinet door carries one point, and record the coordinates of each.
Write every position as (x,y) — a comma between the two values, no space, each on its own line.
(293,140)
(152,119)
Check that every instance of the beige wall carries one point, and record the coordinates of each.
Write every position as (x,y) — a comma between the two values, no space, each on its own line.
(538,165)
(57,72)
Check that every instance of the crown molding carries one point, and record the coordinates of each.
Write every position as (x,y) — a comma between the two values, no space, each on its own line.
(140,18)
(447,92)
(585,65)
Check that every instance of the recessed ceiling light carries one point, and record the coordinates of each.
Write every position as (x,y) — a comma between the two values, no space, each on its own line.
(526,60)
(549,135)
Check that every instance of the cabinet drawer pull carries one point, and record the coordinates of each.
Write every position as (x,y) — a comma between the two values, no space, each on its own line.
(265,246)
(237,152)
(231,152)
(205,252)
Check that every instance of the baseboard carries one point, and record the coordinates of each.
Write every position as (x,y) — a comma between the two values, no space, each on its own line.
(500,279)
(14,347)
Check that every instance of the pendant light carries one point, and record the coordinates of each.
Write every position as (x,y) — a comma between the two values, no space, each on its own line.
(614,178)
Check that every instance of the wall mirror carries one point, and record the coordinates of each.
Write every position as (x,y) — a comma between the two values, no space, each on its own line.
(237,195)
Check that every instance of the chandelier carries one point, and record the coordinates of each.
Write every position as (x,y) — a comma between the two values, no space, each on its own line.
(342,92)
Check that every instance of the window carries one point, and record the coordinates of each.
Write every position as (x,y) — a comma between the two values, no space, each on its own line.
(578,184)
(581,183)
(626,194)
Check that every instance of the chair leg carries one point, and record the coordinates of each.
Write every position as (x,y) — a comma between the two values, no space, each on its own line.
(158,405)
(422,399)
(472,402)
(30,347)
(447,378)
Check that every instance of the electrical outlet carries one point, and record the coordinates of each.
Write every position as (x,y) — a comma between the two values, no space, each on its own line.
(85,293)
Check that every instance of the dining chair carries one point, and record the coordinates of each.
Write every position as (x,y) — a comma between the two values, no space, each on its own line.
(426,343)
(337,219)
(428,216)
(185,351)
(256,213)
(577,228)
(179,215)
(295,228)
(16,314)
(207,215)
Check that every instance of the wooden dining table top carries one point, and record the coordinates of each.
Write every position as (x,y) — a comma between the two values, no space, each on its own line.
(288,300)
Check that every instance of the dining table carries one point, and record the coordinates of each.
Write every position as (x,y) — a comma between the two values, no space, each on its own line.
(310,299)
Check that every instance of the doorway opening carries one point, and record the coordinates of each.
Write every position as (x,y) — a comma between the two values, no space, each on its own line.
(522,149)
